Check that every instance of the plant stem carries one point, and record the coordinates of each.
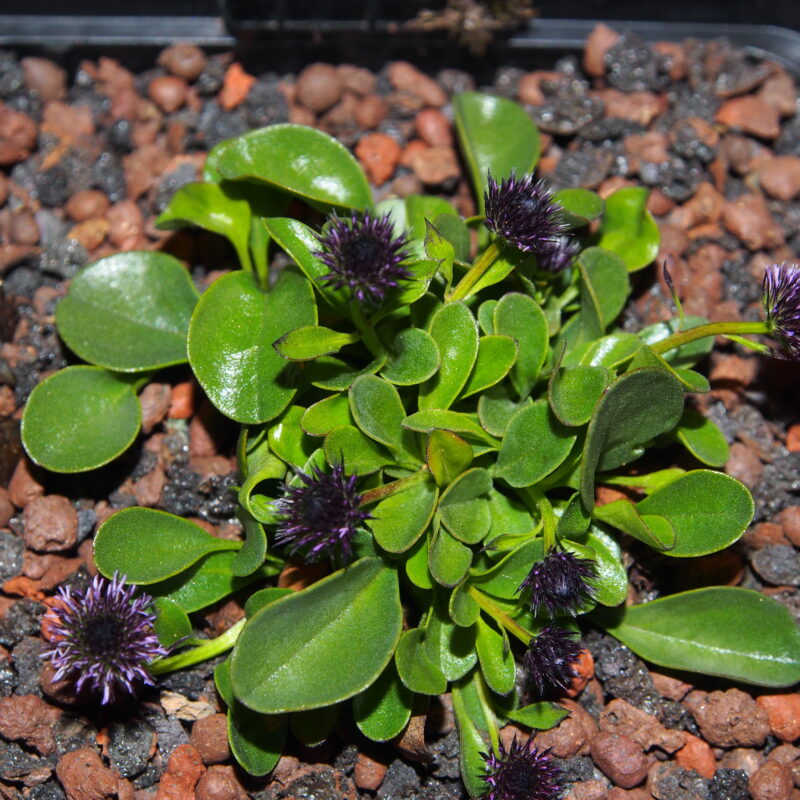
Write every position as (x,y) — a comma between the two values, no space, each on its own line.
(547,515)
(388,489)
(481,266)
(368,335)
(709,329)
(202,652)
(500,616)
(488,712)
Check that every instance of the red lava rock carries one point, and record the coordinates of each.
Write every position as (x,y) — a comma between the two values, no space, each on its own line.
(598,43)
(772,781)
(742,758)
(235,88)
(86,204)
(368,773)
(785,754)
(155,399)
(706,205)
(184,769)
(618,793)
(125,223)
(407,78)
(529,88)
(24,486)
(584,672)
(587,790)
(641,107)
(780,177)
(226,617)
(697,755)
(184,60)
(731,719)
(17,136)
(779,92)
(319,87)
(733,369)
(750,114)
(742,153)
(793,438)
(168,92)
(45,78)
(210,739)
(666,780)
(435,165)
(433,128)
(28,719)
(677,61)
(650,147)
(6,508)
(569,738)
(84,777)
(67,122)
(23,228)
(762,534)
(91,233)
(50,524)
(378,154)
(220,783)
(183,400)
(783,713)
(744,464)
(370,112)
(620,717)
(620,759)
(789,519)
(357,79)
(748,218)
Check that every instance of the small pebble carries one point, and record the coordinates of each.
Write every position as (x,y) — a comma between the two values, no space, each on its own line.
(773,781)
(184,60)
(50,524)
(620,758)
(319,87)
(168,92)
(210,738)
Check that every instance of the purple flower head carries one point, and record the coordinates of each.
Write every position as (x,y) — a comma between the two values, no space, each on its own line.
(523,213)
(781,299)
(561,583)
(550,658)
(559,256)
(320,516)
(364,255)
(523,772)
(103,637)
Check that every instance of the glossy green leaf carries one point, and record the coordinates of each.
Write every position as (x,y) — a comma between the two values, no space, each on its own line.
(535,443)
(230,343)
(464,506)
(574,520)
(322,644)
(383,709)
(496,658)
(251,556)
(256,741)
(521,318)
(455,230)
(148,546)
(504,578)
(400,519)
(731,632)
(580,206)
(80,418)
(463,608)
(472,747)
(450,647)
(574,392)
(509,515)
(312,728)
(438,248)
(335,375)
(378,410)
(702,438)
(416,668)
(263,597)
(496,356)
(327,414)
(447,455)
(496,407)
(455,421)
(636,407)
(628,228)
(478,119)
(312,341)
(359,454)
(612,350)
(288,440)
(171,623)
(414,358)
(654,531)
(417,564)
(686,355)
(455,332)
(420,210)
(129,312)
(448,559)
(300,160)
(261,466)
(540,716)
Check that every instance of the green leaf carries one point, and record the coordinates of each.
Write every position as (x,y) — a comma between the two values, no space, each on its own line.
(612,350)
(256,741)
(455,421)
(400,519)
(702,438)
(448,559)
(455,230)
(148,546)
(414,358)
(574,392)
(334,375)
(450,647)
(497,660)
(378,411)
(479,118)
(420,211)
(312,341)
(327,414)
(686,355)
(574,520)
(129,312)
(726,631)
(312,728)
(80,418)
(383,709)
(471,744)
(230,343)
(288,440)
(496,408)
(171,624)
(322,644)
(254,549)
(540,716)
(521,318)
(504,578)
(580,206)
(629,229)
(636,407)
(416,669)
(298,160)
(417,564)
(359,454)
(455,332)
(464,506)
(439,249)
(612,578)
(496,356)
(535,443)
(463,608)
(654,531)
(447,455)
(263,597)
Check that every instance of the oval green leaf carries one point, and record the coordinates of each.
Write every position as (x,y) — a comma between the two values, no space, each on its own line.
(496,356)
(383,710)
(629,229)
(574,392)
(579,206)
(400,519)
(702,438)
(520,317)
(414,358)
(464,506)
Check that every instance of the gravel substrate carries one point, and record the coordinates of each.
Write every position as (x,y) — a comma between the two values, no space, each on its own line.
(89,158)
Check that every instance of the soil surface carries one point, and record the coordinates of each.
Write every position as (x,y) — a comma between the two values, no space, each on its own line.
(89,156)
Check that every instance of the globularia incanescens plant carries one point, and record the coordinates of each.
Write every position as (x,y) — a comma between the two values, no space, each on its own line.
(428,404)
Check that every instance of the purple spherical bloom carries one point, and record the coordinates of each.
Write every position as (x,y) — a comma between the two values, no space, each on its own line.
(559,256)
(103,637)
(523,213)
(781,298)
(550,658)
(561,583)
(523,772)
(321,516)
(364,255)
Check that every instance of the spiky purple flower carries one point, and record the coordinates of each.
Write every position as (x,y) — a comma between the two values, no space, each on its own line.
(321,516)
(364,255)
(781,299)
(559,256)
(523,772)
(561,583)
(550,659)
(102,637)
(523,213)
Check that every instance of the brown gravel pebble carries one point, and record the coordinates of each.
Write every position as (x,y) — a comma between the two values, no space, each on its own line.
(155,399)
(789,519)
(87,204)
(783,713)
(569,738)
(184,60)
(748,218)
(772,781)
(731,718)
(435,165)
(743,758)
(168,92)
(370,112)
(779,92)
(618,793)
(744,464)
(407,78)
(622,718)
(588,790)
(17,136)
(378,154)
(620,758)
(641,107)
(750,114)
(45,78)
(24,485)
(23,228)
(184,769)
(28,719)
(319,86)
(126,223)
(219,783)
(433,128)
(67,122)
(669,781)
(357,79)
(84,777)
(780,177)
(670,687)
(210,738)
(236,87)
(697,755)
(6,508)
(598,42)
(368,773)
(50,524)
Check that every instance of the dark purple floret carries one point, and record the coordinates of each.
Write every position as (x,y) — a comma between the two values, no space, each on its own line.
(781,298)
(561,583)
(523,213)
(550,659)
(523,772)
(364,255)
(103,637)
(321,516)
(558,257)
